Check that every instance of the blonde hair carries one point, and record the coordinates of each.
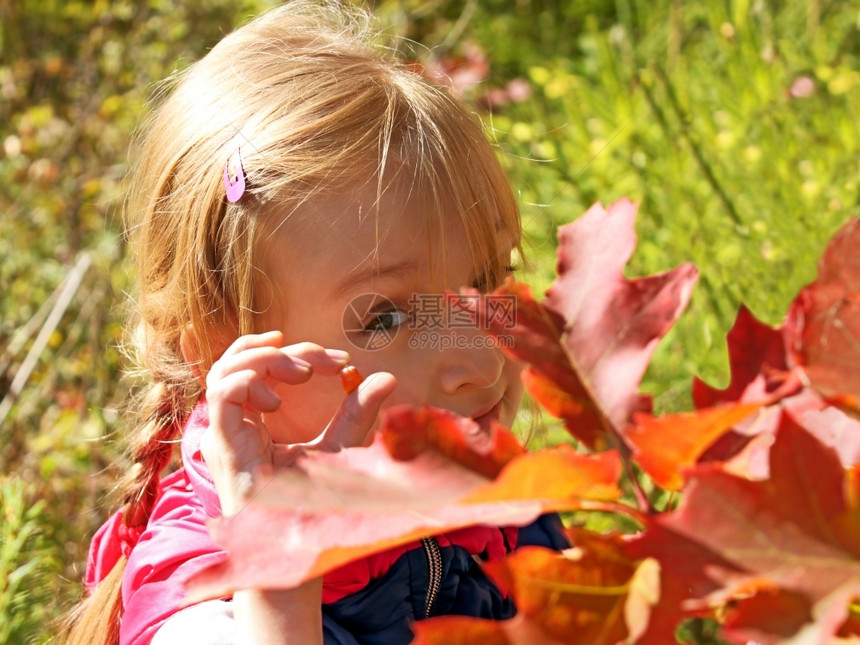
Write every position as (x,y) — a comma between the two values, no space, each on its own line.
(315,104)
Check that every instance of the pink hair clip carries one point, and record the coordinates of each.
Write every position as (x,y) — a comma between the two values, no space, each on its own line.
(234,177)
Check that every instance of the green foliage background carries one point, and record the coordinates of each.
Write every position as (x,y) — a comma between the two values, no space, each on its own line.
(732,123)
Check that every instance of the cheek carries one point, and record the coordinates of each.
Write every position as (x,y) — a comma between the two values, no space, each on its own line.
(413,374)
(513,392)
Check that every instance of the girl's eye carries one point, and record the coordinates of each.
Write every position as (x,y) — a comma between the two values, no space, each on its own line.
(386,320)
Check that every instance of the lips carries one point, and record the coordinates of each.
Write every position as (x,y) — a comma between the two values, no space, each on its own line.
(485,419)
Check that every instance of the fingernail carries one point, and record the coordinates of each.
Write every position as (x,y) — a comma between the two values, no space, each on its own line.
(302,364)
(338,355)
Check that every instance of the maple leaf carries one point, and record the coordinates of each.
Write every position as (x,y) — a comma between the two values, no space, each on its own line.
(823,325)
(464,630)
(589,342)
(793,532)
(552,378)
(331,508)
(768,617)
(408,432)
(754,349)
(760,372)
(592,591)
(667,445)
(613,324)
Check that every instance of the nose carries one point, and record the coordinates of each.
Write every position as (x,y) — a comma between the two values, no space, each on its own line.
(472,361)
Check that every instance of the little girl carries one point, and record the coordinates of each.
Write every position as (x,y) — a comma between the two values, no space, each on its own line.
(293,172)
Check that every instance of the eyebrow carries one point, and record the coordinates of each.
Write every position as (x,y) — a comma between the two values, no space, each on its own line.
(361,277)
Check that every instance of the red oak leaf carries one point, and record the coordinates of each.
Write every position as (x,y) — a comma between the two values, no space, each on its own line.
(787,533)
(760,372)
(560,473)
(665,446)
(612,324)
(407,432)
(463,630)
(851,627)
(823,326)
(552,378)
(768,617)
(331,508)
(830,425)
(682,565)
(591,594)
(749,455)
(588,344)
(754,349)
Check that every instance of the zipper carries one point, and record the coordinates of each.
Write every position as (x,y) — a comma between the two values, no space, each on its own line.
(434,564)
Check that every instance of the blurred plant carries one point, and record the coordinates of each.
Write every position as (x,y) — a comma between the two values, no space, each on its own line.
(29,565)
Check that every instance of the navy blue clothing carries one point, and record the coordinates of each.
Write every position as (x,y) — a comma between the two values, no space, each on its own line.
(382,613)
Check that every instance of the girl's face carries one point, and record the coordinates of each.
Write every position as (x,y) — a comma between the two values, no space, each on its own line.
(346,279)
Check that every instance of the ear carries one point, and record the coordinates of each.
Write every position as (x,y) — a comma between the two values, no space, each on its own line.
(190,349)
(193,351)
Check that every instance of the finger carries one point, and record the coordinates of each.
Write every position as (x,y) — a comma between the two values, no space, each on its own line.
(283,456)
(265,361)
(249,341)
(292,364)
(234,398)
(323,360)
(244,388)
(352,423)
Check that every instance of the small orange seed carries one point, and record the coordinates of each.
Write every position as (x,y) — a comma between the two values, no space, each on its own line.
(350,378)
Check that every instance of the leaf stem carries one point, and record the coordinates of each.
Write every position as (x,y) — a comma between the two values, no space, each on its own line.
(642,502)
(616,507)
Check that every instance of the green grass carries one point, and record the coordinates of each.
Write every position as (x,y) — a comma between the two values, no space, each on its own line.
(684,107)
(29,564)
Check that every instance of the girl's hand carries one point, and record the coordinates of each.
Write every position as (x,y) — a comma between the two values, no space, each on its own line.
(239,392)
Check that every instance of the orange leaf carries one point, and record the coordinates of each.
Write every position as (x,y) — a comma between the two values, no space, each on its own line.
(582,593)
(462,630)
(558,473)
(665,446)
(407,432)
